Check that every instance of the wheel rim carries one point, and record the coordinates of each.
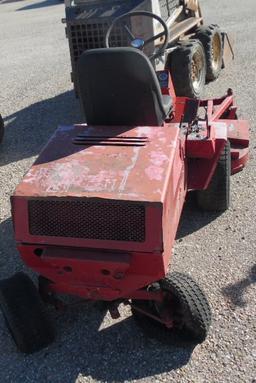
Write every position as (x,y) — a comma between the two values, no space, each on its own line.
(172,305)
(216,52)
(197,71)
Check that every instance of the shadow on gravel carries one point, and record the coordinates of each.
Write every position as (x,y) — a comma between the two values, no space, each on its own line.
(115,354)
(41,4)
(235,292)
(193,219)
(29,129)
(126,354)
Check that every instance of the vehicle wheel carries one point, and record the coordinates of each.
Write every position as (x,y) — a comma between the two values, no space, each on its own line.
(211,39)
(24,314)
(187,65)
(188,306)
(45,295)
(1,128)
(217,196)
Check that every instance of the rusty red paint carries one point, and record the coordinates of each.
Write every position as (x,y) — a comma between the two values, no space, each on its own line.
(103,171)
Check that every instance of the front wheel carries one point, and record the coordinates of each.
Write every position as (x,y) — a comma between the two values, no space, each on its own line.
(24,314)
(185,303)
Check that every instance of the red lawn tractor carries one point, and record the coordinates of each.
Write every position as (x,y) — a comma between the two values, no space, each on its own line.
(97,214)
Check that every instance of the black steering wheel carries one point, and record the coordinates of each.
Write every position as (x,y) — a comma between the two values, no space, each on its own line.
(137,42)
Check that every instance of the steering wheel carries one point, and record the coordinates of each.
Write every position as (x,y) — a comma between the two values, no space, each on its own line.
(136,42)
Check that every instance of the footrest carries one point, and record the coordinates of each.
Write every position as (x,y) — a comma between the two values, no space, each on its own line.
(239,158)
(238,136)
(238,132)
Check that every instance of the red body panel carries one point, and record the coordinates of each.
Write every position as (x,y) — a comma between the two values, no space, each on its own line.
(109,172)
(152,174)
(93,274)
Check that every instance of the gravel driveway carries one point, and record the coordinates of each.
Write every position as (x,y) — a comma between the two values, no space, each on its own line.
(219,251)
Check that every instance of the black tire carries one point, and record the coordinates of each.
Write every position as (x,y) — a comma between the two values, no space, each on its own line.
(190,311)
(217,196)
(211,39)
(24,314)
(187,66)
(1,128)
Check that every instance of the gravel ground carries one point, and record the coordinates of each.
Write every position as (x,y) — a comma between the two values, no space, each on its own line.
(218,251)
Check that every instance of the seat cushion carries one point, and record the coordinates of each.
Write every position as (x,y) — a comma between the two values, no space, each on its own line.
(118,86)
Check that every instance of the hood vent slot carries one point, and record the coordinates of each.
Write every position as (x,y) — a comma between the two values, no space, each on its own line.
(109,141)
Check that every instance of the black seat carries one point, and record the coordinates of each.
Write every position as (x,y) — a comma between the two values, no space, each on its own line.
(118,86)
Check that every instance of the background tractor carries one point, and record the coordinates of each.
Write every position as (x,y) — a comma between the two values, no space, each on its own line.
(194,53)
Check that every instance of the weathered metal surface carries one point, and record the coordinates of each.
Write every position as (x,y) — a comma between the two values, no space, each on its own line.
(102,172)
(115,163)
(94,274)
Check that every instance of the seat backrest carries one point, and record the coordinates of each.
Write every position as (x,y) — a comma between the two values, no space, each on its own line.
(118,86)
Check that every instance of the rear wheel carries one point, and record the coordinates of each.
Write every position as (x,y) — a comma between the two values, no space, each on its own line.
(217,196)
(187,65)
(187,305)
(1,129)
(24,314)
(211,39)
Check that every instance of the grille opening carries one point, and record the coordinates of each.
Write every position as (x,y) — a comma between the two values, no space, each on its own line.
(100,220)
(92,36)
(167,7)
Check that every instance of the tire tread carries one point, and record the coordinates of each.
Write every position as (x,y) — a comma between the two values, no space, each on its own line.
(25,314)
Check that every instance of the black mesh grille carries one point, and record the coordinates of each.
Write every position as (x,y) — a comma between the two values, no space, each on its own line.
(90,36)
(102,220)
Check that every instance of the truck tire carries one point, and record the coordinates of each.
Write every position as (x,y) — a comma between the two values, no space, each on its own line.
(211,39)
(217,196)
(187,65)
(24,314)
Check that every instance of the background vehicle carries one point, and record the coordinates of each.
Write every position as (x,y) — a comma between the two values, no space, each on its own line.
(194,53)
